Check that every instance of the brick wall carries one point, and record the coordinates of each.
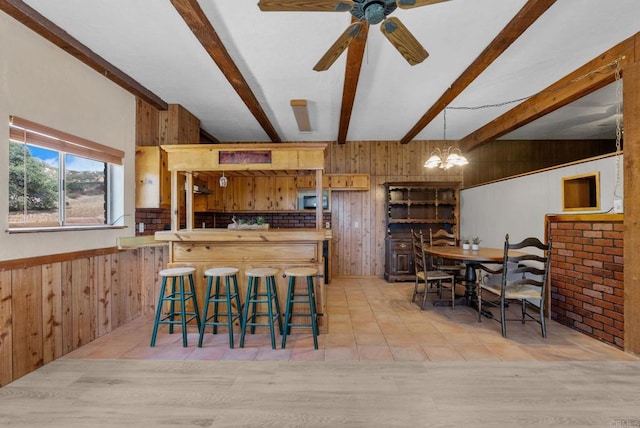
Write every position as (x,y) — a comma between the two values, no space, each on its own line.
(160,219)
(153,219)
(587,268)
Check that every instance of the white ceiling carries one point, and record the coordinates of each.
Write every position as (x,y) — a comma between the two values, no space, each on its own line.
(276,51)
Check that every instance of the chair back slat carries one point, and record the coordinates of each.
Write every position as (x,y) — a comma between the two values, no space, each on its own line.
(441,238)
(531,269)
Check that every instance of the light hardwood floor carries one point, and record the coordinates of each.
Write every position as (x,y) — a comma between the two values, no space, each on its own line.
(383,363)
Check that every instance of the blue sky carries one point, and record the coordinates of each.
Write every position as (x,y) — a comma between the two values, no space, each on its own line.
(74,163)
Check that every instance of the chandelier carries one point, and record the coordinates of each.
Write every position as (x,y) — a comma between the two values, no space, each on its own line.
(447,159)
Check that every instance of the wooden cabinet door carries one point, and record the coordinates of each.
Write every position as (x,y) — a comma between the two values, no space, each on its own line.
(285,196)
(339,181)
(239,194)
(153,180)
(348,181)
(264,189)
(305,182)
(359,182)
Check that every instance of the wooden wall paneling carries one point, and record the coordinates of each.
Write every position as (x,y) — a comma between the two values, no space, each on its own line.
(130,278)
(118,292)
(339,158)
(368,231)
(631,107)
(378,194)
(389,161)
(161,261)
(66,269)
(84,301)
(27,320)
(51,312)
(148,279)
(6,328)
(379,159)
(147,123)
(103,294)
(348,234)
(360,159)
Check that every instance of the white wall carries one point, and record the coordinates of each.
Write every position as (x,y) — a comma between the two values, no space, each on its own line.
(42,83)
(518,206)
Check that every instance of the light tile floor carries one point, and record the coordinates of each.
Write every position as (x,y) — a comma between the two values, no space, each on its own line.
(368,319)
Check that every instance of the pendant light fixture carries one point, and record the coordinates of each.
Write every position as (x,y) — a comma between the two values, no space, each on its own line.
(223,180)
(448,158)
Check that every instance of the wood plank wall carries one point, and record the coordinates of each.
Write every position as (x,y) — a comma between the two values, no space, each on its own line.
(52,305)
(505,158)
(359,250)
(359,217)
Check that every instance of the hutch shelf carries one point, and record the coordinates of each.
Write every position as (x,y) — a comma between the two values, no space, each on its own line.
(419,206)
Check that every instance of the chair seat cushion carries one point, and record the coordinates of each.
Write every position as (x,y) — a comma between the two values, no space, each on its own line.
(520,291)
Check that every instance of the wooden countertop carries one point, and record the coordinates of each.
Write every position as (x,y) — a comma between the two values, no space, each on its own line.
(242,235)
(131,242)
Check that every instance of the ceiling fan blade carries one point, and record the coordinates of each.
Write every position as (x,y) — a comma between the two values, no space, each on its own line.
(305,5)
(408,46)
(339,46)
(408,4)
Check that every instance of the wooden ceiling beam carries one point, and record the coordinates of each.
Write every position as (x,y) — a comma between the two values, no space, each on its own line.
(355,54)
(201,27)
(592,76)
(28,16)
(529,13)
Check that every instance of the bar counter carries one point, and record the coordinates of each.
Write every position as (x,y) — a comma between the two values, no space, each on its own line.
(249,248)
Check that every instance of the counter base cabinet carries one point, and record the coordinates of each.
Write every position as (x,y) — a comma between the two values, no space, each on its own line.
(399,260)
(203,249)
(419,206)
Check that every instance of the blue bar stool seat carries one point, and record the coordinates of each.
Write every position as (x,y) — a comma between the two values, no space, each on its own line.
(268,297)
(229,296)
(181,295)
(304,298)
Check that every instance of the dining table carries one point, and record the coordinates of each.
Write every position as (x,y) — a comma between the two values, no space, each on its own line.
(470,258)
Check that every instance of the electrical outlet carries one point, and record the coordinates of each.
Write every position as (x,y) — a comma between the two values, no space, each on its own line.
(617,205)
(141,227)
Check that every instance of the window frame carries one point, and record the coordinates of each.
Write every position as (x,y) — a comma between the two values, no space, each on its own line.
(28,133)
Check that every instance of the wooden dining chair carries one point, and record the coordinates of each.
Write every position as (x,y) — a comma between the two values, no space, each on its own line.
(522,278)
(431,279)
(442,238)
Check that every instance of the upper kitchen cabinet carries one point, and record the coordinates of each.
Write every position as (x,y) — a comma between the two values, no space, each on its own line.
(348,181)
(153,180)
(335,182)
(273,193)
(308,181)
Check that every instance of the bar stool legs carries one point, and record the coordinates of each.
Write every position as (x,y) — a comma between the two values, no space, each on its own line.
(300,297)
(268,297)
(181,296)
(229,297)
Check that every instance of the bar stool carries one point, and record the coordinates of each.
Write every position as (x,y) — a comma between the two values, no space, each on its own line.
(181,296)
(228,296)
(254,296)
(306,298)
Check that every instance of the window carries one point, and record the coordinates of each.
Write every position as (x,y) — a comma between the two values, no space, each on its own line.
(57,180)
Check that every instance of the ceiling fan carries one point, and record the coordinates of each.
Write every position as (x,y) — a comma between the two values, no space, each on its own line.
(367,12)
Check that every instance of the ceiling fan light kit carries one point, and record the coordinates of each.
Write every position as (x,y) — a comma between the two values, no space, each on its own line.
(367,12)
